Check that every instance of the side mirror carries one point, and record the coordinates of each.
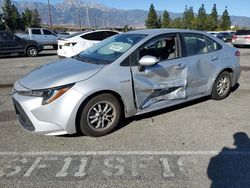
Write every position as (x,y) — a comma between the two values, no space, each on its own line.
(148,60)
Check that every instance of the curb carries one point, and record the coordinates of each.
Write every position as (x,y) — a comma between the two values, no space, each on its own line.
(6,85)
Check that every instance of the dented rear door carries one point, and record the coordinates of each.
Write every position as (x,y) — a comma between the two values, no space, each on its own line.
(164,82)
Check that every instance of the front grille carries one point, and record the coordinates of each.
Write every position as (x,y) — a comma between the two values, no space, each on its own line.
(22,117)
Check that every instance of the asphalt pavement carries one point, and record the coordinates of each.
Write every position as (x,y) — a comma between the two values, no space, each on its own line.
(203,143)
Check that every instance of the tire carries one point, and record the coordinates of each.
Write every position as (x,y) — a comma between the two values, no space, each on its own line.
(222,86)
(100,115)
(55,47)
(32,51)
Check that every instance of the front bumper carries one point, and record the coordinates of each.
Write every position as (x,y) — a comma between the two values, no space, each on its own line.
(56,118)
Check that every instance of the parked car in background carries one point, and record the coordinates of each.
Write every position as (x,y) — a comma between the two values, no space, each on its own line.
(10,44)
(76,43)
(214,33)
(44,36)
(225,36)
(128,74)
(241,38)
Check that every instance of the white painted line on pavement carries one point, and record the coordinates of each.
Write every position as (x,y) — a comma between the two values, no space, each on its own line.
(93,153)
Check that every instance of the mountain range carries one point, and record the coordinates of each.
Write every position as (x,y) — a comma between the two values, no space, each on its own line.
(91,13)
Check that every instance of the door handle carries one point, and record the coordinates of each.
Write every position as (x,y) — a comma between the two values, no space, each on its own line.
(214,58)
(181,66)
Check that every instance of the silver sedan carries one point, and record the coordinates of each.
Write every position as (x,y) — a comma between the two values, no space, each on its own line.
(128,74)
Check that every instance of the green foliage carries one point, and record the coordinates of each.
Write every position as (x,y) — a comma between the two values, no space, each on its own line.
(27,16)
(202,19)
(165,23)
(188,17)
(152,21)
(225,22)
(2,25)
(177,23)
(213,19)
(127,28)
(11,17)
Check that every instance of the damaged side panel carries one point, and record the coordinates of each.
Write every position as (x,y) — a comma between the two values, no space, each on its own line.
(158,83)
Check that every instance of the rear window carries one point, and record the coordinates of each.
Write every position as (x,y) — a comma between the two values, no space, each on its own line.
(243,32)
(96,36)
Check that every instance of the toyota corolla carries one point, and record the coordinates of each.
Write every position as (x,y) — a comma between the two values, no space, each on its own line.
(125,75)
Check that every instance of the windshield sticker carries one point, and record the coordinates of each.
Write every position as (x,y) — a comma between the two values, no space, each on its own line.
(116,47)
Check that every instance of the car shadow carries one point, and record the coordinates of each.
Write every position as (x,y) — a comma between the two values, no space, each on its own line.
(230,168)
(126,121)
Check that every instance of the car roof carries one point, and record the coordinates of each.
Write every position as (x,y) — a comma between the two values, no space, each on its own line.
(87,32)
(164,31)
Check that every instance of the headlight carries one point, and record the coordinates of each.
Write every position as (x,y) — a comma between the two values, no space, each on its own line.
(48,95)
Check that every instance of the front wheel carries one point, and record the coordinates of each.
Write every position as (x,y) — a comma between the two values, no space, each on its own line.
(100,115)
(32,51)
(222,86)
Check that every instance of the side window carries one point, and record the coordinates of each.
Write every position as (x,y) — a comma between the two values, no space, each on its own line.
(36,31)
(212,45)
(98,36)
(163,49)
(7,36)
(195,44)
(47,32)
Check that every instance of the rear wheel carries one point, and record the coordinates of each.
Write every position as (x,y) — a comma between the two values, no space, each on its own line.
(32,51)
(100,115)
(222,86)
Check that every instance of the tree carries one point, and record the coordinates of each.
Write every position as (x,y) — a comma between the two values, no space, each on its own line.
(177,23)
(225,20)
(2,25)
(202,19)
(127,28)
(27,16)
(152,20)
(213,19)
(11,17)
(35,20)
(165,20)
(188,17)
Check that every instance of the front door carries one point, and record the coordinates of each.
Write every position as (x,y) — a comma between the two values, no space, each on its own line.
(164,82)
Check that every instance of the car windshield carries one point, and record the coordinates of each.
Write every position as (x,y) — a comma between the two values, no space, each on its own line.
(110,49)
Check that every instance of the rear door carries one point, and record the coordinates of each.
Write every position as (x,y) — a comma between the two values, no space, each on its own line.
(203,55)
(164,82)
(37,35)
(49,37)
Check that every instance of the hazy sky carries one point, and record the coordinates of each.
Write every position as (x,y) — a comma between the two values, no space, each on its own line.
(235,7)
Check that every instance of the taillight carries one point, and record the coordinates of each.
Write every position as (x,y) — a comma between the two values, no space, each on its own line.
(247,37)
(234,37)
(70,44)
(237,53)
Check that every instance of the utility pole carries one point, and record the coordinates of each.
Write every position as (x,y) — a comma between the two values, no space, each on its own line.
(50,19)
(87,17)
(80,23)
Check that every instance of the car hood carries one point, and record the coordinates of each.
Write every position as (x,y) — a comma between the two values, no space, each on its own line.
(59,73)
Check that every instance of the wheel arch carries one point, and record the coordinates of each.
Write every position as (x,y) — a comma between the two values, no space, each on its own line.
(28,46)
(115,94)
